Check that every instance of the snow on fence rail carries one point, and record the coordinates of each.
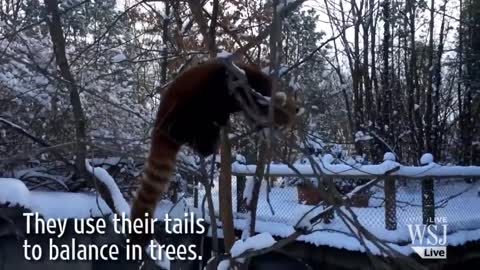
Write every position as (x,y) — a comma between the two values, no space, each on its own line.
(429,169)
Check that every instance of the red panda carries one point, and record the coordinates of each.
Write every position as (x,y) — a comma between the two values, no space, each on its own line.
(192,111)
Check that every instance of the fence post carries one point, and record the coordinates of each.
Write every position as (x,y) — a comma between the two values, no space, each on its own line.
(428,201)
(241,207)
(428,196)
(390,203)
(330,214)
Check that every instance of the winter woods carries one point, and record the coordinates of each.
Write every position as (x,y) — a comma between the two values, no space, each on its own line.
(396,76)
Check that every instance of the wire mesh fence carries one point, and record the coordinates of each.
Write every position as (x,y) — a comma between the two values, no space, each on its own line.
(457,204)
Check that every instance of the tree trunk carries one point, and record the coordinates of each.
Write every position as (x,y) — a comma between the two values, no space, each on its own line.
(390,203)
(385,124)
(429,73)
(438,132)
(165,30)
(58,40)
(356,77)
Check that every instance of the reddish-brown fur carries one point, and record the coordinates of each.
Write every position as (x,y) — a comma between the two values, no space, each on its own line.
(192,111)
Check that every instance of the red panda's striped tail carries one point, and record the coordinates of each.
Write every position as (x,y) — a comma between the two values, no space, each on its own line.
(155,180)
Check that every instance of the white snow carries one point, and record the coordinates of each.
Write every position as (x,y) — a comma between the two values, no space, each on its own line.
(426,159)
(224,54)
(246,226)
(40,172)
(247,192)
(68,4)
(15,192)
(224,265)
(282,69)
(259,241)
(56,204)
(360,136)
(294,84)
(112,161)
(239,69)
(160,258)
(389,156)
(431,169)
(67,205)
(300,111)
(283,4)
(120,57)
(240,158)
(305,215)
(102,175)
(52,204)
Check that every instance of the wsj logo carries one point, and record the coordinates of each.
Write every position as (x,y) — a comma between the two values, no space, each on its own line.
(430,241)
